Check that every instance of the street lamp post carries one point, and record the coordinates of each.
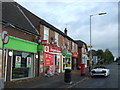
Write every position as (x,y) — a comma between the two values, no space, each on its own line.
(90,36)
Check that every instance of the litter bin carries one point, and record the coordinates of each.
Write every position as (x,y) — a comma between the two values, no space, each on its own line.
(67,75)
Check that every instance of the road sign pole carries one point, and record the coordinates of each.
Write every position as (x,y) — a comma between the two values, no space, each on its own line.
(2,80)
(3,60)
(5,39)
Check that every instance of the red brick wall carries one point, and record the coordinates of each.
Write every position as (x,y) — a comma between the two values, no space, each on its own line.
(51,35)
(41,32)
(19,34)
(80,56)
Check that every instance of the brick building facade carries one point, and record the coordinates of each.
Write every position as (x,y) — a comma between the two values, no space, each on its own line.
(29,56)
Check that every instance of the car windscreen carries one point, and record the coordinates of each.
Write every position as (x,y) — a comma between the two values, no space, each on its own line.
(99,68)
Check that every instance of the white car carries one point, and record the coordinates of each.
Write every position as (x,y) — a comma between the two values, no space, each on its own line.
(100,71)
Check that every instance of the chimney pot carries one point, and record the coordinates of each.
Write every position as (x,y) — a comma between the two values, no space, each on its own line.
(65,31)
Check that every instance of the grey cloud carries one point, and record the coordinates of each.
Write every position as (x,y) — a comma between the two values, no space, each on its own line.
(76,15)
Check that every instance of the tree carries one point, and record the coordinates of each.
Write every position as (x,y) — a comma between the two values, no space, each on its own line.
(100,53)
(108,56)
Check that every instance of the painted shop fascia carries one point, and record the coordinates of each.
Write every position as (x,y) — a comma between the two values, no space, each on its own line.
(20,56)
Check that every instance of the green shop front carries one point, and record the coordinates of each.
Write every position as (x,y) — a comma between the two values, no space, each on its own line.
(66,61)
(20,56)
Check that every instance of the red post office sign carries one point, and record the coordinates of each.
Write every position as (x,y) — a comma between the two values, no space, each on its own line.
(54,50)
(44,42)
(49,59)
(46,49)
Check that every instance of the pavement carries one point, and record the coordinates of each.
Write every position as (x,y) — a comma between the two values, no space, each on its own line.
(56,81)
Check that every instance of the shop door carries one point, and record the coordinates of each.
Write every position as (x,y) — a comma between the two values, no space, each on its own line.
(5,64)
(72,63)
(57,63)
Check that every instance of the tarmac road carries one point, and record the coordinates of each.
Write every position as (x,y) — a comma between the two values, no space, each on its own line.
(103,82)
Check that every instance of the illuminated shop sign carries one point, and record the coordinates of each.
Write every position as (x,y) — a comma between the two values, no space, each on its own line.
(55,50)
(52,49)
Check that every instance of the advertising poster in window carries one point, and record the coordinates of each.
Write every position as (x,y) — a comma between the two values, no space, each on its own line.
(41,63)
(0,64)
(49,59)
(29,62)
(58,63)
(51,68)
(18,62)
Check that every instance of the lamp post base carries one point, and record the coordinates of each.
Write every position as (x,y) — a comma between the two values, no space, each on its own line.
(1,83)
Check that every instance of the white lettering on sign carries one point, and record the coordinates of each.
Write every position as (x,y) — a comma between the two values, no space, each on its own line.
(55,50)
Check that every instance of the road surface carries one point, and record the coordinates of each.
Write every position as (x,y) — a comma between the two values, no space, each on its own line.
(103,82)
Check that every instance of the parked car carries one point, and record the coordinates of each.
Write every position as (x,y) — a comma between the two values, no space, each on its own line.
(100,71)
(118,62)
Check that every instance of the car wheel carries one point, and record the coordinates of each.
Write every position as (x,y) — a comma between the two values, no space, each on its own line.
(92,76)
(107,76)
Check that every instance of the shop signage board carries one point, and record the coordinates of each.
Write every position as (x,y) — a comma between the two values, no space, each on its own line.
(18,62)
(54,50)
(29,62)
(40,47)
(49,59)
(74,54)
(44,42)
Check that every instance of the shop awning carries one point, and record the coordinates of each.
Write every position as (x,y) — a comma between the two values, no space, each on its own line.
(67,54)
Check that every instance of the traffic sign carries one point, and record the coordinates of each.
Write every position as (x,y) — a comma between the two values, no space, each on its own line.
(89,46)
(5,37)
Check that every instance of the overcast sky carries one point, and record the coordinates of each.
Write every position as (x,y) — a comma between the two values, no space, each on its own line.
(76,17)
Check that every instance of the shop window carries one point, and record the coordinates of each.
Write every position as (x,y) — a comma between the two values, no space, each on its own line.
(22,65)
(56,38)
(73,46)
(0,64)
(66,63)
(41,69)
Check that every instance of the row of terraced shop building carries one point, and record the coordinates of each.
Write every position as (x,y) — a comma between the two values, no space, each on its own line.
(35,46)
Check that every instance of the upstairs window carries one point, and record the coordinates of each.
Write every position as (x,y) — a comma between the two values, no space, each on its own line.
(56,38)
(73,46)
(68,44)
(46,33)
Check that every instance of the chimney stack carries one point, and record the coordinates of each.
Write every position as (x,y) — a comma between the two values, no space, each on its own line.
(65,31)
